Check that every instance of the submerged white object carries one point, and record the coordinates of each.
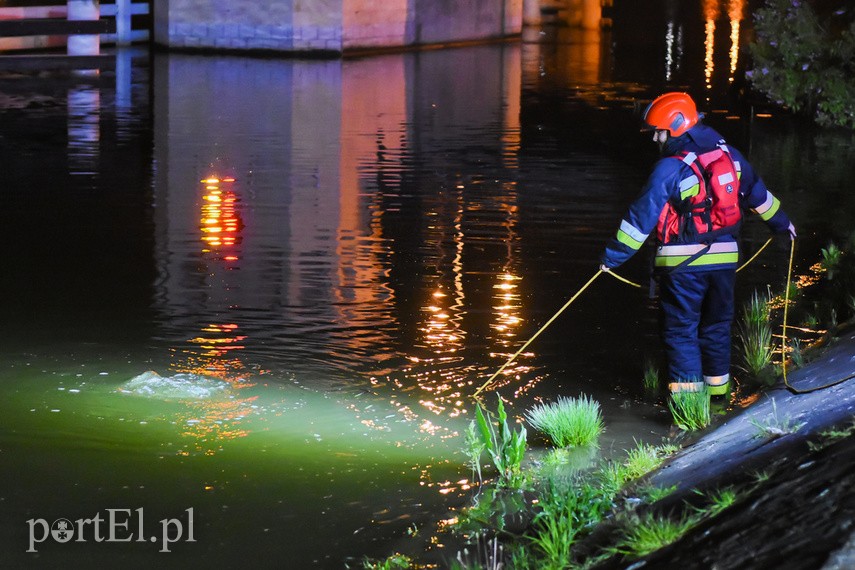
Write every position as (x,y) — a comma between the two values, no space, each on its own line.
(177,387)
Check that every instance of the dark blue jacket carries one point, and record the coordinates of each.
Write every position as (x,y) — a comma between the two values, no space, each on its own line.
(664,185)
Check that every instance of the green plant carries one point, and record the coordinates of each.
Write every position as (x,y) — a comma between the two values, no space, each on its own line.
(774,426)
(652,493)
(644,458)
(505,448)
(474,448)
(690,410)
(650,379)
(761,476)
(553,539)
(612,476)
(755,335)
(486,555)
(495,509)
(831,435)
(805,60)
(394,561)
(718,501)
(831,257)
(568,421)
(650,532)
(796,353)
(568,459)
(568,507)
(756,311)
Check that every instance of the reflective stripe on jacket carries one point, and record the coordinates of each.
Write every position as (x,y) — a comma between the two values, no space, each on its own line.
(672,180)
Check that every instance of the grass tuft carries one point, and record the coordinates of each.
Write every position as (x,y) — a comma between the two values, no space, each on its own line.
(650,379)
(690,410)
(774,425)
(755,335)
(569,421)
(650,532)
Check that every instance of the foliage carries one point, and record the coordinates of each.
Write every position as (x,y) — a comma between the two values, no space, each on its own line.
(568,507)
(395,561)
(831,259)
(805,60)
(652,493)
(650,532)
(690,410)
(651,377)
(568,421)
(774,426)
(718,501)
(644,458)
(474,448)
(755,335)
(495,509)
(486,555)
(505,448)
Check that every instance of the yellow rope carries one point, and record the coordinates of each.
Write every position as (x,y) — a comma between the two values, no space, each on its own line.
(753,257)
(784,338)
(624,279)
(543,328)
(741,267)
(786,310)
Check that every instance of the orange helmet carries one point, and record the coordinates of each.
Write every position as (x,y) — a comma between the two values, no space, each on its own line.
(673,112)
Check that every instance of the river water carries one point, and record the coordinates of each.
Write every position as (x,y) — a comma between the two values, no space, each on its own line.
(247,301)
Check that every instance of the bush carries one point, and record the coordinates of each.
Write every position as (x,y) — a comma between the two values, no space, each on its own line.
(806,61)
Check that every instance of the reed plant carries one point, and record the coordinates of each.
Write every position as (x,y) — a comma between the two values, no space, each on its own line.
(755,335)
(690,410)
(568,421)
(505,447)
(651,380)
(475,447)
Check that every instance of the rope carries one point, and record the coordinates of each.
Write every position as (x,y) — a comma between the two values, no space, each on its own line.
(543,328)
(784,337)
(624,279)
(753,257)
(741,267)
(628,282)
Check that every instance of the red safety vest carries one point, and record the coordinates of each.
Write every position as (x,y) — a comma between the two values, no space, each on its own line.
(709,200)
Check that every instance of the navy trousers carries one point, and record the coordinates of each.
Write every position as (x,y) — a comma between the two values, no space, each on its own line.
(697,313)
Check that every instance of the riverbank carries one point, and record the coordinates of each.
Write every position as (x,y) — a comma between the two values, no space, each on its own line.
(788,457)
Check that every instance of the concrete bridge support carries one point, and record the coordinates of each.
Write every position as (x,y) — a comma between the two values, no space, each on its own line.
(332,26)
(585,14)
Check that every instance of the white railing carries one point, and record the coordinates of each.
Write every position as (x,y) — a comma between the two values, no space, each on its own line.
(121,10)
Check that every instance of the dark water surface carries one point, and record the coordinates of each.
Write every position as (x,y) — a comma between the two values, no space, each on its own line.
(320,262)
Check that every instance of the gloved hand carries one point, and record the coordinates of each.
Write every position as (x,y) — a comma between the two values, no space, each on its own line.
(791,229)
(604,268)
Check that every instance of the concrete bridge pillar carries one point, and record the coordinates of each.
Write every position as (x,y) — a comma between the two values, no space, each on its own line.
(532,15)
(585,14)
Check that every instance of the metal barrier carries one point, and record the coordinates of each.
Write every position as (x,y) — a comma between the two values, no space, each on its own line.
(81,25)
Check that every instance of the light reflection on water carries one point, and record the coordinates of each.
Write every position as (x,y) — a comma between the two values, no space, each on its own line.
(353,247)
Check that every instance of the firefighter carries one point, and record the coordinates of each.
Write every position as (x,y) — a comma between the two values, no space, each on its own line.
(692,203)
